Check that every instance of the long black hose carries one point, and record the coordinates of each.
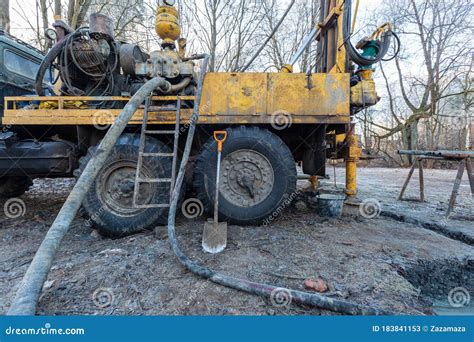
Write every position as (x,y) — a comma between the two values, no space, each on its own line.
(46,64)
(260,289)
(354,55)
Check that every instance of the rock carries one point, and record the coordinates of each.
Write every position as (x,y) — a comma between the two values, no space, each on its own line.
(95,234)
(48,284)
(231,312)
(161,232)
(271,312)
(342,294)
(301,206)
(317,285)
(108,252)
(369,288)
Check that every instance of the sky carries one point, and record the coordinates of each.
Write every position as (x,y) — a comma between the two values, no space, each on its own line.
(27,8)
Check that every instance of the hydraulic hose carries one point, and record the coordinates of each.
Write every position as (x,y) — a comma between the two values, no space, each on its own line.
(26,298)
(397,48)
(354,55)
(180,86)
(46,64)
(264,290)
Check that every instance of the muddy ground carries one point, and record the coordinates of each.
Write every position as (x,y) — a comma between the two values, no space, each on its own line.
(384,262)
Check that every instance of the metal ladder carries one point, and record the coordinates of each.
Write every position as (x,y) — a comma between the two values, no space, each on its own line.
(142,154)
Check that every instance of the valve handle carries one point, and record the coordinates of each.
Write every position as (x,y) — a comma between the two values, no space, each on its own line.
(220,137)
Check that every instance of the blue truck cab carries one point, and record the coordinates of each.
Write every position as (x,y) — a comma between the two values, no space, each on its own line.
(19,63)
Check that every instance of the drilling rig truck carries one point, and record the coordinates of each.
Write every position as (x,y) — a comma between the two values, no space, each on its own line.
(274,120)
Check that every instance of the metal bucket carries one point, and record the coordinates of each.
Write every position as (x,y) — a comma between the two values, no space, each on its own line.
(101,26)
(330,205)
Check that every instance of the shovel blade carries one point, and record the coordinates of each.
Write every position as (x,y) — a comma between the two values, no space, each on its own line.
(214,239)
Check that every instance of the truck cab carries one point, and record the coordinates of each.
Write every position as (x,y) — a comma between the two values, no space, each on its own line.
(19,64)
(22,157)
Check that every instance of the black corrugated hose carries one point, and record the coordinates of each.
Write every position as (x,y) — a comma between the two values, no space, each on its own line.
(46,64)
(264,290)
(354,55)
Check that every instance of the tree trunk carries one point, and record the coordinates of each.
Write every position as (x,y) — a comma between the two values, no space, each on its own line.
(410,138)
(57,9)
(44,19)
(469,130)
(5,15)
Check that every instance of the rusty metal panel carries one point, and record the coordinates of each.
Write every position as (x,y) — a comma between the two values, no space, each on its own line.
(364,94)
(326,94)
(228,98)
(234,94)
(242,94)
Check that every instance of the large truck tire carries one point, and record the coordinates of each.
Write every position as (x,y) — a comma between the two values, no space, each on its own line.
(258,176)
(14,186)
(109,203)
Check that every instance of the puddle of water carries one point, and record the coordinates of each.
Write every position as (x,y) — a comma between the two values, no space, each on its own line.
(447,286)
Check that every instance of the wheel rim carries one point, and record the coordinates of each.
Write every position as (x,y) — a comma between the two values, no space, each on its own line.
(247,178)
(116,186)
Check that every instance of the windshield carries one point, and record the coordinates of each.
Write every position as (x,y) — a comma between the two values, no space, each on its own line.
(22,66)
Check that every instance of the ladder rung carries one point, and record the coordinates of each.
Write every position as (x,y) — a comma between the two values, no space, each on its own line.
(157,154)
(161,109)
(155,180)
(160,132)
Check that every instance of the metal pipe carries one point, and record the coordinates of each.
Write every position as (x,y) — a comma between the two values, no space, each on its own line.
(193,57)
(269,38)
(351,161)
(441,153)
(28,294)
(354,20)
(308,40)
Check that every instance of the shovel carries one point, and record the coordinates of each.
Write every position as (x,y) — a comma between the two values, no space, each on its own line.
(214,239)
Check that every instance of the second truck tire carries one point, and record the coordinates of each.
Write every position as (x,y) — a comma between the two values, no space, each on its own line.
(109,205)
(258,174)
(14,186)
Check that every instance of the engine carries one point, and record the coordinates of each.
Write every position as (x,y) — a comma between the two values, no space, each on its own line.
(91,62)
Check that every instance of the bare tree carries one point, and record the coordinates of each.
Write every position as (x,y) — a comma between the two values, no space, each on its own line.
(222,28)
(288,39)
(5,15)
(437,57)
(77,11)
(36,19)
(131,17)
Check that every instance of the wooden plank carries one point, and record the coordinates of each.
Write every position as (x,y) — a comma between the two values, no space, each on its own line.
(422,180)
(407,181)
(457,185)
